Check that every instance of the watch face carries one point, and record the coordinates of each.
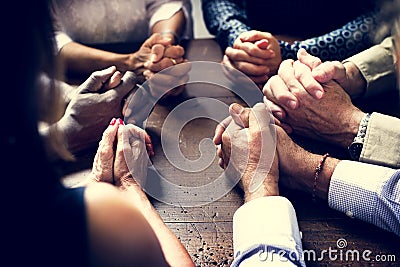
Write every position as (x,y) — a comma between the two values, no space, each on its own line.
(355,150)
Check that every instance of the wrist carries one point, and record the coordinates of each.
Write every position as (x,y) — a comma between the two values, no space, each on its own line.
(175,39)
(269,187)
(356,82)
(319,186)
(356,146)
(353,125)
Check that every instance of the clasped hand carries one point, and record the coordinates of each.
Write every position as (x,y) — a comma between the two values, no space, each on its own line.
(247,148)
(256,54)
(308,97)
(122,156)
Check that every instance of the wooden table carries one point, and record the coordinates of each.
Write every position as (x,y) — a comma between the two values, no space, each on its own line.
(206,231)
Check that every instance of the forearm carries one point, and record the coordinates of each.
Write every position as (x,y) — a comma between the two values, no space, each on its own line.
(377,67)
(225,19)
(82,59)
(357,83)
(174,252)
(338,44)
(172,27)
(303,176)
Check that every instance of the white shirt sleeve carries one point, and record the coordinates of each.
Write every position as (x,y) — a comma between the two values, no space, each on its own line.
(266,233)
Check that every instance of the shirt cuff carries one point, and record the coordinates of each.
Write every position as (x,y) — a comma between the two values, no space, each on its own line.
(270,221)
(354,188)
(382,141)
(377,66)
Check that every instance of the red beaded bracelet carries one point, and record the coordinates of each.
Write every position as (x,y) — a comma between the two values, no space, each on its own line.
(317,172)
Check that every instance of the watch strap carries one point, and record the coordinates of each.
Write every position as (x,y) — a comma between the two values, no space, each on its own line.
(357,145)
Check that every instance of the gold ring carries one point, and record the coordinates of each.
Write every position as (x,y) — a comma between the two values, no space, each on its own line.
(173,61)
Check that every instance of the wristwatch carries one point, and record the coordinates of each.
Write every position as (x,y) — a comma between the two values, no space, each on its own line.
(356,146)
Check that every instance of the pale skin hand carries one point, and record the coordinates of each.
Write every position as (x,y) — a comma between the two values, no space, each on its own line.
(333,118)
(296,165)
(347,75)
(238,140)
(257,54)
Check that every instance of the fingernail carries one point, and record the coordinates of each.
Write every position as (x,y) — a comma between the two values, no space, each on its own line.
(237,108)
(112,122)
(120,121)
(318,94)
(153,58)
(291,104)
(146,64)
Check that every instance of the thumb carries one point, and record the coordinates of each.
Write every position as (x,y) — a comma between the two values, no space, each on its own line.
(307,59)
(157,52)
(96,80)
(259,117)
(157,39)
(128,82)
(330,70)
(239,114)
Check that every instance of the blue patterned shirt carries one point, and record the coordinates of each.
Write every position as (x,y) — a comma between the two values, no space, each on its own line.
(227,19)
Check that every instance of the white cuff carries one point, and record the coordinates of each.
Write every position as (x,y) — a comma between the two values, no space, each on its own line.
(268,220)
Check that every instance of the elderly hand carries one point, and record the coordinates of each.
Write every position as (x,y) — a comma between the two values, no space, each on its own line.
(95,102)
(296,165)
(333,118)
(310,76)
(162,58)
(257,54)
(250,152)
(151,49)
(124,165)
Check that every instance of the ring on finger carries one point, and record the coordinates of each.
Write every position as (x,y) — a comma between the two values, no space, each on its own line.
(173,61)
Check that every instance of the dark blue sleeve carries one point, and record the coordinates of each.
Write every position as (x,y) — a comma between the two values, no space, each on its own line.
(225,19)
(339,44)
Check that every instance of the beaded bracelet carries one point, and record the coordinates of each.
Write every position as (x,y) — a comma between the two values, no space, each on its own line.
(317,172)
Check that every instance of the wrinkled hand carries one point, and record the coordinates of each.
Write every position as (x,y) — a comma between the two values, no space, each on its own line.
(94,104)
(120,146)
(131,157)
(257,54)
(161,59)
(333,118)
(150,50)
(248,148)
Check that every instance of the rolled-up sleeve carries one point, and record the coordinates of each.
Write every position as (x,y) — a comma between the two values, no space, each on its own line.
(367,192)
(382,141)
(266,233)
(377,66)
